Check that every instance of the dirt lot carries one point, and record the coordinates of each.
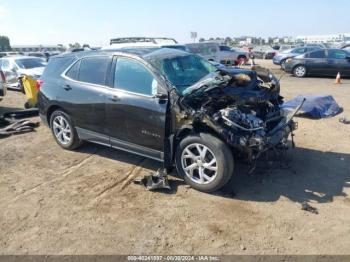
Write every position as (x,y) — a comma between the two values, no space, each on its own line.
(54,201)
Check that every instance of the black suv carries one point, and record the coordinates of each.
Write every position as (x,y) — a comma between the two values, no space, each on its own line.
(167,105)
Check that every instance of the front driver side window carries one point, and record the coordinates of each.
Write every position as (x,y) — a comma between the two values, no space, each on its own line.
(132,76)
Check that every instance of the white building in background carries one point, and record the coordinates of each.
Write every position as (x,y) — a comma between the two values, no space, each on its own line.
(332,38)
(36,48)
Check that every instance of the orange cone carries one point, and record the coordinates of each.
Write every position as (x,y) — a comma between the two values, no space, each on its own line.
(338,79)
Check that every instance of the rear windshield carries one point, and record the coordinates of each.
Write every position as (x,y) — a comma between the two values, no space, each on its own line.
(29,63)
(225,48)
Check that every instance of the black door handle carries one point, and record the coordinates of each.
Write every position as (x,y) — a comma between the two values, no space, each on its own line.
(67,87)
(114,98)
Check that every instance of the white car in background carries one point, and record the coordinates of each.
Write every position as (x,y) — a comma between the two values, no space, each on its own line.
(218,53)
(16,66)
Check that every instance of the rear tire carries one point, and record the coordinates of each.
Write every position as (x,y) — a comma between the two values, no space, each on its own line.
(64,131)
(205,162)
(299,71)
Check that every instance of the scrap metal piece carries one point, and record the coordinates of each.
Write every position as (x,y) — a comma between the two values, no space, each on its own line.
(9,125)
(16,127)
(344,121)
(306,207)
(22,113)
(158,180)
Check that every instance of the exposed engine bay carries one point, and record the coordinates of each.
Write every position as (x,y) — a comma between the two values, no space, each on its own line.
(244,110)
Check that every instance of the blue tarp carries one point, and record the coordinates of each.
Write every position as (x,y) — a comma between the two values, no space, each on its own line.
(314,106)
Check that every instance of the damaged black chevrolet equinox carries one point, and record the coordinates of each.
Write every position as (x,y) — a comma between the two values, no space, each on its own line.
(167,105)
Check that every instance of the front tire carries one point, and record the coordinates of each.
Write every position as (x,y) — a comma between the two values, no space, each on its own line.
(299,71)
(64,131)
(205,162)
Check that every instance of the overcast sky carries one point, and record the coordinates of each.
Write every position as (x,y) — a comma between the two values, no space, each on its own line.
(96,21)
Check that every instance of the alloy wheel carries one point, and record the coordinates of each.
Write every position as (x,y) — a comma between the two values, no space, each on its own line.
(62,130)
(199,163)
(300,71)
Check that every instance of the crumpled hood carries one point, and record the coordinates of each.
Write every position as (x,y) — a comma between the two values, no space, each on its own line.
(37,71)
(238,92)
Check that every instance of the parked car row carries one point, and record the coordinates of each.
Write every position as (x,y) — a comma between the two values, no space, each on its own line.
(209,50)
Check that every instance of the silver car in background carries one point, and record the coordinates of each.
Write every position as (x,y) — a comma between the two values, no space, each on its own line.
(16,66)
(218,53)
(3,85)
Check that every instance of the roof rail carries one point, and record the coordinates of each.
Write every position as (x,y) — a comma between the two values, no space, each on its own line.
(121,40)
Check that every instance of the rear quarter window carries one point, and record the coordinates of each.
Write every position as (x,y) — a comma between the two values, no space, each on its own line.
(74,71)
(56,66)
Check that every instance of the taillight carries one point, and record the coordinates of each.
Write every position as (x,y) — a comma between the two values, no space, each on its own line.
(39,84)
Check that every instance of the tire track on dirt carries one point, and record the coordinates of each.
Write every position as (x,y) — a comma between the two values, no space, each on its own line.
(132,174)
(61,176)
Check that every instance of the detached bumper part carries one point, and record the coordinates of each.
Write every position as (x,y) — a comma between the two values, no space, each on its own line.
(156,181)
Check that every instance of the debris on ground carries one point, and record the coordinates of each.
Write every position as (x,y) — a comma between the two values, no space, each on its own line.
(13,123)
(344,120)
(11,127)
(306,207)
(20,114)
(158,180)
(243,247)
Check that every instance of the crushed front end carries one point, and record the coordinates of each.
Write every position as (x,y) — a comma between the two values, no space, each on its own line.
(254,130)
(245,112)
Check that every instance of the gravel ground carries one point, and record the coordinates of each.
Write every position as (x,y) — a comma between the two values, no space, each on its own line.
(54,201)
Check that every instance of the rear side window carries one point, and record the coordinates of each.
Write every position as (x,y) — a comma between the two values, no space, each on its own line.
(132,76)
(318,54)
(93,70)
(337,54)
